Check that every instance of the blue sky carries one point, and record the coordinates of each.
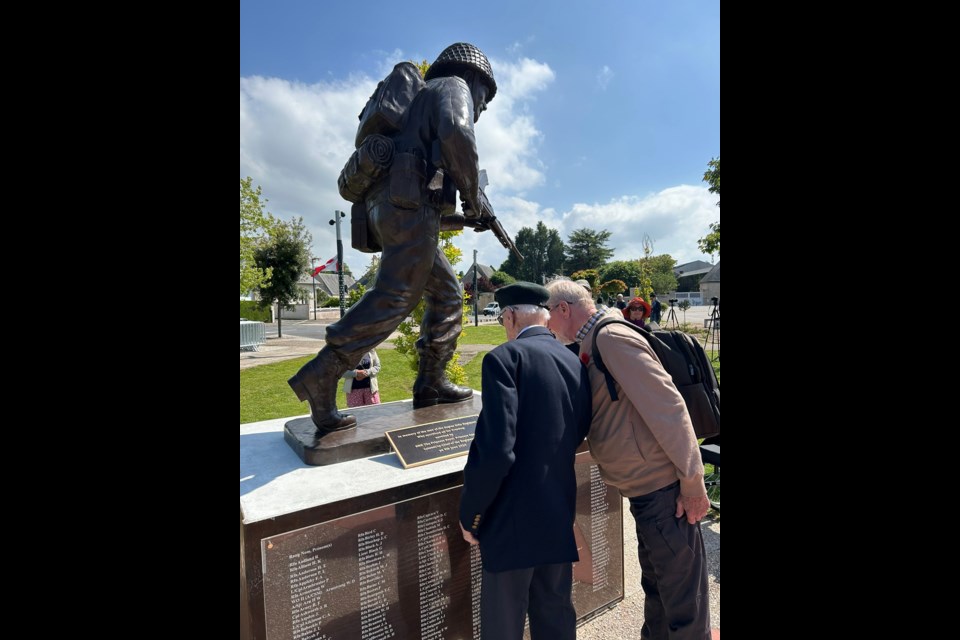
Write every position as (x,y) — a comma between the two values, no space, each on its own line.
(605,117)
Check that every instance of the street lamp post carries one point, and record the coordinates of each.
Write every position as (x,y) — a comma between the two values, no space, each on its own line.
(313,276)
(336,221)
(476,293)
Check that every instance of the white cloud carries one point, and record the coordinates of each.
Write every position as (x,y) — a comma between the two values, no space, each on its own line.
(604,77)
(517,46)
(295,139)
(507,136)
(674,219)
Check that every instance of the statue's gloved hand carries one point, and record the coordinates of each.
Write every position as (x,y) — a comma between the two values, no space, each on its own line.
(471,209)
(452,222)
(479,225)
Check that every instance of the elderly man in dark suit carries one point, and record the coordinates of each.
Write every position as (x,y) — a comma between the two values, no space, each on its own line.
(519,493)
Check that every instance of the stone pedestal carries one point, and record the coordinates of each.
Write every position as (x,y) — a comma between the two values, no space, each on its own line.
(366,549)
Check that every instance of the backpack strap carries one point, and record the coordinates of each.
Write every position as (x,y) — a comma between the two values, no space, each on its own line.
(598,359)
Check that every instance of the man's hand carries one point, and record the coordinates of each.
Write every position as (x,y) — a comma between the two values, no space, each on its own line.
(468,536)
(695,508)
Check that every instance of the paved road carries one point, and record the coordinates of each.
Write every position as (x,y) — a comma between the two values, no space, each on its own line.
(305,337)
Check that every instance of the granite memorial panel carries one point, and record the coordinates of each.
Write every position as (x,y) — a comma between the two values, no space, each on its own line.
(402,570)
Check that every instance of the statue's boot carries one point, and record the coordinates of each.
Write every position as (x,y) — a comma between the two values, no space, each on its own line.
(432,386)
(316,383)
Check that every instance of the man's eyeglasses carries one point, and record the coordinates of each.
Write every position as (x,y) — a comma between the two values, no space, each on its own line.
(554,307)
(500,317)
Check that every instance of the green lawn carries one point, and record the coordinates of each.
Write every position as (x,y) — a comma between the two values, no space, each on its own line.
(264,393)
(488,334)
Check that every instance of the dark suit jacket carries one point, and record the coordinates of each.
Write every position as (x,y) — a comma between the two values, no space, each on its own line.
(519,494)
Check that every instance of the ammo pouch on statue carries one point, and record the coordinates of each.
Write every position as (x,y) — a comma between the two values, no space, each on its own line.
(407,176)
(364,167)
(360,237)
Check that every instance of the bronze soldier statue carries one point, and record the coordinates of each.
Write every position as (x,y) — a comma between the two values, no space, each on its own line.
(434,151)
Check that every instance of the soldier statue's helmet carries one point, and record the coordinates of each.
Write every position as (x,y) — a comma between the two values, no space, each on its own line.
(463,55)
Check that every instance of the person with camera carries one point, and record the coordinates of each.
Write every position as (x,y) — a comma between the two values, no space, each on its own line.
(655,308)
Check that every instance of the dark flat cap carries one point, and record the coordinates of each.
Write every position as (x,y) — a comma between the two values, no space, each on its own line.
(521,293)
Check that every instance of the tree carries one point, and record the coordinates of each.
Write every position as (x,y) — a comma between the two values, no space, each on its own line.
(501,279)
(371,273)
(613,287)
(711,242)
(484,285)
(255,225)
(661,272)
(646,269)
(590,275)
(542,251)
(663,282)
(354,295)
(586,249)
(626,270)
(287,253)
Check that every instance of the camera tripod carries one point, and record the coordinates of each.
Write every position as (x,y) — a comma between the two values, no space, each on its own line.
(714,334)
(671,317)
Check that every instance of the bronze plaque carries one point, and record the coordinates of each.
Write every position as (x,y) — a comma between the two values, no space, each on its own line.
(367,439)
(434,441)
(404,571)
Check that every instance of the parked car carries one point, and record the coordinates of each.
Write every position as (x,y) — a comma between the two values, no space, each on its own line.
(492,309)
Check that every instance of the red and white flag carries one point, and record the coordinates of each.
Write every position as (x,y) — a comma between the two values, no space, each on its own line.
(329,266)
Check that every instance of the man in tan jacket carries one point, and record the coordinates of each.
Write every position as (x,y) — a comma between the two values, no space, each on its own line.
(645,446)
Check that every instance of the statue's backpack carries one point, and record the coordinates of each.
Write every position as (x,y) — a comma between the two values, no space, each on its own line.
(384,115)
(386,110)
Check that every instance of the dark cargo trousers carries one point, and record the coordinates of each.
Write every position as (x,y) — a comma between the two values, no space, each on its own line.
(673,563)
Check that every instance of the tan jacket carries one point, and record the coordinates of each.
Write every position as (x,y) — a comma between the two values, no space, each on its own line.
(645,440)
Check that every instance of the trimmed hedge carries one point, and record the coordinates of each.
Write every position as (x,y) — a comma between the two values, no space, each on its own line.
(251,310)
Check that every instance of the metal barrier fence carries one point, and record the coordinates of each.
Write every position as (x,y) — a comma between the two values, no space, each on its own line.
(252,335)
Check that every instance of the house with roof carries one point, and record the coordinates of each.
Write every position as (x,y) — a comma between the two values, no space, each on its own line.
(689,273)
(328,285)
(483,271)
(710,284)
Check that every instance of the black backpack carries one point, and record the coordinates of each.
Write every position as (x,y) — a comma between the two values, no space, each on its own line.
(687,363)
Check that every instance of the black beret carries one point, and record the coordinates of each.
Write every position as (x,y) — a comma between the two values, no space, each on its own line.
(521,293)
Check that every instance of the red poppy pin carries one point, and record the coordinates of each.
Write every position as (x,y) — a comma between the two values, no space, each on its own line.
(585,359)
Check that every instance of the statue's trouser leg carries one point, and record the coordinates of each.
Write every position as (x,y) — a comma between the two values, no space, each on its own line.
(438,337)
(409,241)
